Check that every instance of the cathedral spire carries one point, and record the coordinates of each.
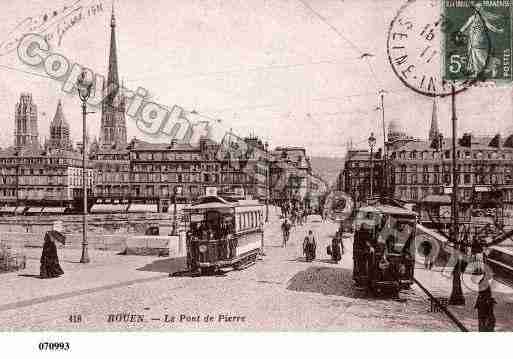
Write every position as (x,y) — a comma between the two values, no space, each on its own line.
(112,77)
(434,130)
(113,123)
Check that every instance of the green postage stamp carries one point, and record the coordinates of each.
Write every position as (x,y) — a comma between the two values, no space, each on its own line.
(477,40)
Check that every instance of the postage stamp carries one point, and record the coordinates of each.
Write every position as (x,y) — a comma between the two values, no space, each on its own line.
(477,43)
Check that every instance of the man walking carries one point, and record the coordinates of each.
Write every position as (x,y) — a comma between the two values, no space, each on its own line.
(285,228)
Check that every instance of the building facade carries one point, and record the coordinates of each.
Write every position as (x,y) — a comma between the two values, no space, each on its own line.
(42,178)
(422,174)
(356,176)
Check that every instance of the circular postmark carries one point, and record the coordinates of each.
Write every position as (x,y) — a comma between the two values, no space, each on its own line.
(434,47)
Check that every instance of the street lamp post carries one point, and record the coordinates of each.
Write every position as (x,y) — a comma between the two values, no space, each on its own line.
(372,143)
(84,91)
(456,297)
(177,190)
(267,184)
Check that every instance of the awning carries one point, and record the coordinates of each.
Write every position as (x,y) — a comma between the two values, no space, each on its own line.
(54,210)
(179,207)
(138,207)
(437,198)
(109,208)
(7,209)
(34,210)
(19,210)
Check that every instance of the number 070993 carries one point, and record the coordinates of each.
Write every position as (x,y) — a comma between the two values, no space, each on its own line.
(54,346)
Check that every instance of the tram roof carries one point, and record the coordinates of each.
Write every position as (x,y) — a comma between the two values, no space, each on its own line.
(211,202)
(387,209)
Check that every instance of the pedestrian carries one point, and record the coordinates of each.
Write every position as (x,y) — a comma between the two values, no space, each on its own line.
(285,228)
(310,247)
(484,305)
(426,250)
(337,248)
(363,251)
(50,267)
(476,252)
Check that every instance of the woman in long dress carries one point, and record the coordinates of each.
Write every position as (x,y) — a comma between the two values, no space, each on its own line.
(478,44)
(50,267)
(309,246)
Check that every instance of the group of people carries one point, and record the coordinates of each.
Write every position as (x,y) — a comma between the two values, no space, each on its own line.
(309,243)
(336,249)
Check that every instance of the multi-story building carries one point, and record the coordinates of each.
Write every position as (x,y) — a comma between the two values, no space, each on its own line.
(290,173)
(422,174)
(355,178)
(151,173)
(38,178)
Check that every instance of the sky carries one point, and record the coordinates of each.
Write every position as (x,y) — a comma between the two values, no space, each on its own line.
(288,71)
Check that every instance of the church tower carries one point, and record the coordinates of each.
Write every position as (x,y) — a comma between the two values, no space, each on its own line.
(113,123)
(434,130)
(59,131)
(25,123)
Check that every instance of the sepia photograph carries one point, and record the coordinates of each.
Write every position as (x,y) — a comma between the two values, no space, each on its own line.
(268,166)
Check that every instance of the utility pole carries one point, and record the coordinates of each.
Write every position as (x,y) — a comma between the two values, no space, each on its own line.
(267,182)
(456,297)
(372,143)
(385,150)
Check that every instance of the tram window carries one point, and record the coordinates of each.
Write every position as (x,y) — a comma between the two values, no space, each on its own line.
(239,222)
(252,215)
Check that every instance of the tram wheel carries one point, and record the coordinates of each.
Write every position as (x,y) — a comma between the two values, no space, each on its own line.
(207,271)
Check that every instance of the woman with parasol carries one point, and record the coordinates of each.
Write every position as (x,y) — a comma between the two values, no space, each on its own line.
(50,267)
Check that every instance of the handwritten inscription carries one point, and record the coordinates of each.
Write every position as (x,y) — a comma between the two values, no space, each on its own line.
(52,25)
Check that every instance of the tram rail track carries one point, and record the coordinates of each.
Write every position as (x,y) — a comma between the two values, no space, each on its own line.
(442,307)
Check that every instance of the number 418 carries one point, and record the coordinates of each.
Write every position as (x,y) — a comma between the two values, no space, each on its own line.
(75,318)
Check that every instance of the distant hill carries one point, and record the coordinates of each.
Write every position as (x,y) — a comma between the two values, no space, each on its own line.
(327,167)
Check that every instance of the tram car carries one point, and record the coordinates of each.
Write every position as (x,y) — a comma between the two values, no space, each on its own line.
(223,234)
(338,205)
(384,248)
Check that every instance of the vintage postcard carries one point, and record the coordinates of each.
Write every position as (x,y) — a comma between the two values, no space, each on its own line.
(266,165)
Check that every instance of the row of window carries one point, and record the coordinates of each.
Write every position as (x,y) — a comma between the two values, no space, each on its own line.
(434,155)
(419,193)
(248,220)
(41,161)
(171,156)
(479,178)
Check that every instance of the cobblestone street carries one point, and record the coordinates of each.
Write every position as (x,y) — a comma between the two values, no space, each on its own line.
(280,292)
